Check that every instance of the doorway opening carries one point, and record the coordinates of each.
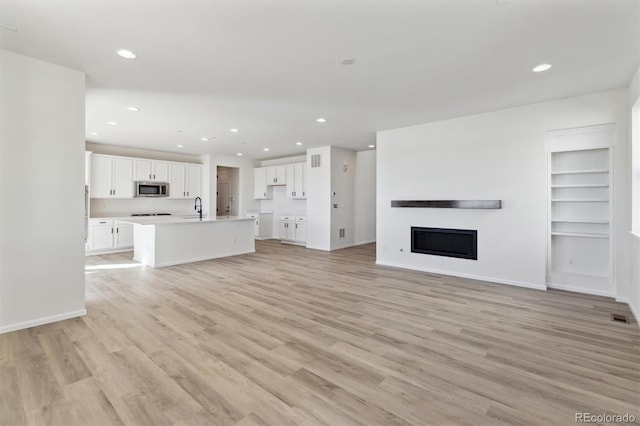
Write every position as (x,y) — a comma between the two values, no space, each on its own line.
(227,191)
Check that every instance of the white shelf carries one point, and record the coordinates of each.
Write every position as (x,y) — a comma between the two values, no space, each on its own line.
(580,234)
(582,200)
(573,172)
(605,221)
(586,185)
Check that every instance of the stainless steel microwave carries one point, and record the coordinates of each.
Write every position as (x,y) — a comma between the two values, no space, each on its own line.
(151,189)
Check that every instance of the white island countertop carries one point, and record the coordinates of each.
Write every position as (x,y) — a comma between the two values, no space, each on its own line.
(173,220)
(172,240)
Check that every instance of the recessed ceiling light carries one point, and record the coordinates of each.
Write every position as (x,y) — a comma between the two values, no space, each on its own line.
(180,146)
(372,146)
(94,133)
(347,61)
(298,143)
(542,67)
(234,130)
(132,108)
(112,123)
(266,149)
(239,154)
(321,120)
(204,139)
(127,54)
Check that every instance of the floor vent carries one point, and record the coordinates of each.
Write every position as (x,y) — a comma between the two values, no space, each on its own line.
(619,318)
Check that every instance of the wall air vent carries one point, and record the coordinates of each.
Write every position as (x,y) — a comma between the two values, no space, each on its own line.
(315,160)
(341,232)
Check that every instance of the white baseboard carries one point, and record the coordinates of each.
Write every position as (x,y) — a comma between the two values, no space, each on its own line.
(351,245)
(42,321)
(580,290)
(200,259)
(294,243)
(98,252)
(317,248)
(359,243)
(631,308)
(464,275)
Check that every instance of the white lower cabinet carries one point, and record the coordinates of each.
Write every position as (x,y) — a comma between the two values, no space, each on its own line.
(263,224)
(293,229)
(301,229)
(100,234)
(109,235)
(123,235)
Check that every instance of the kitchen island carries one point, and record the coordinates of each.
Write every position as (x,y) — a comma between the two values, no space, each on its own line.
(165,241)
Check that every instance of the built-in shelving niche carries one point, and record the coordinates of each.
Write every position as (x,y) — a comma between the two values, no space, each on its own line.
(580,207)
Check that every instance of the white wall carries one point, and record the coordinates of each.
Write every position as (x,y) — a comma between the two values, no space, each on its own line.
(365,197)
(497,155)
(42,190)
(343,171)
(319,200)
(631,295)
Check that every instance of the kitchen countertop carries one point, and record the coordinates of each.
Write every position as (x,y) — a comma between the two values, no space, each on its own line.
(173,220)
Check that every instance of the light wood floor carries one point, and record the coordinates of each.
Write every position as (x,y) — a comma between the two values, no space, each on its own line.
(296,336)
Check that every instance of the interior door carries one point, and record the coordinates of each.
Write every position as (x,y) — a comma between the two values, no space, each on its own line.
(222,200)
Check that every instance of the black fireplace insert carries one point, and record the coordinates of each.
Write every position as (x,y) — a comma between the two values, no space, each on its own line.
(462,243)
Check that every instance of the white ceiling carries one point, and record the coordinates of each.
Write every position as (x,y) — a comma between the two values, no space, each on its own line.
(270,68)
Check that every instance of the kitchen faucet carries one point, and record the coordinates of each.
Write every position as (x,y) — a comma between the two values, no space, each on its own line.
(196,207)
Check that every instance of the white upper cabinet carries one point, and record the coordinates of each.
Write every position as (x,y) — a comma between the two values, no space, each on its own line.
(295,181)
(151,170)
(177,180)
(193,184)
(276,175)
(111,177)
(101,180)
(142,170)
(260,191)
(185,180)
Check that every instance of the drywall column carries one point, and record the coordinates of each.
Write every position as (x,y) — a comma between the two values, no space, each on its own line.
(365,197)
(319,199)
(631,293)
(42,192)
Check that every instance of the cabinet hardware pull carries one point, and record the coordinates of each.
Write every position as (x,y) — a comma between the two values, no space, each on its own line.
(154,177)
(117,230)
(112,230)
(149,175)
(103,222)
